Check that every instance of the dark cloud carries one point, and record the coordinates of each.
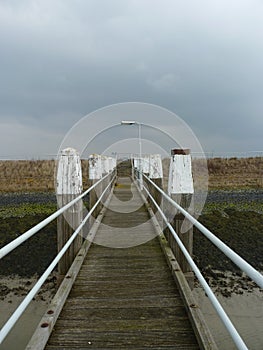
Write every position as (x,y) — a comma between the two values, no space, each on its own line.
(203,60)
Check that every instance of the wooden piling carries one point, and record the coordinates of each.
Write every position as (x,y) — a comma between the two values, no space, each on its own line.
(180,188)
(156,175)
(69,186)
(96,168)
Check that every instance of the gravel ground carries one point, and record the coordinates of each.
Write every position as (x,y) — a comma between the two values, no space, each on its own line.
(235,196)
(212,197)
(22,198)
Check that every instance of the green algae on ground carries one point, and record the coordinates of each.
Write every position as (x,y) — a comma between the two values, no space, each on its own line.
(240,230)
(34,255)
(21,210)
(240,206)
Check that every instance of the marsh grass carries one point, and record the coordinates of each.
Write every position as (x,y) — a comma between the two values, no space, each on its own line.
(234,173)
(32,175)
(224,173)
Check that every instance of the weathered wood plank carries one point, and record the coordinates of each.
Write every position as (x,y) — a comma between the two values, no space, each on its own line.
(127,302)
(41,334)
(121,293)
(124,298)
(131,313)
(66,326)
(114,340)
(202,332)
(127,347)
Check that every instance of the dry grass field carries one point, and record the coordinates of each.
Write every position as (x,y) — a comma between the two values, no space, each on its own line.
(225,173)
(38,175)
(31,176)
(235,173)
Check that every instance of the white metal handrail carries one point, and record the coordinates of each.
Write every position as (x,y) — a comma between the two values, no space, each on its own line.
(240,262)
(218,307)
(24,304)
(25,236)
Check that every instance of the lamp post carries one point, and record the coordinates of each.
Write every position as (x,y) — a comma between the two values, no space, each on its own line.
(132,122)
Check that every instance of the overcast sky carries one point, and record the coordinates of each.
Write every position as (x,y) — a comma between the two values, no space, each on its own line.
(62,59)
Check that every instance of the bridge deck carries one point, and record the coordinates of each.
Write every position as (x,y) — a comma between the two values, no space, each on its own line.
(124,298)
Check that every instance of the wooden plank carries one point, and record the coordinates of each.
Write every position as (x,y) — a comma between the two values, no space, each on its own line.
(115,340)
(127,302)
(40,337)
(202,332)
(128,347)
(124,299)
(132,313)
(121,293)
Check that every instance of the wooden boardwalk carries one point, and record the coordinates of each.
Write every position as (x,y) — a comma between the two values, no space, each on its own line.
(124,298)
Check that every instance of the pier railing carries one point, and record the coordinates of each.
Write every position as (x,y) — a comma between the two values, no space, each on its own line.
(102,188)
(157,196)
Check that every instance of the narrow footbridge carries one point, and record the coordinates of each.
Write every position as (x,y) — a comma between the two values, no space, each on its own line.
(124,298)
(125,263)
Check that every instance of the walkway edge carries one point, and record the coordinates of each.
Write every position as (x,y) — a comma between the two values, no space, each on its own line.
(201,330)
(44,329)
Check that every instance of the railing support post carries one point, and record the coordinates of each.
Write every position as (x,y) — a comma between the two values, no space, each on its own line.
(69,186)
(180,188)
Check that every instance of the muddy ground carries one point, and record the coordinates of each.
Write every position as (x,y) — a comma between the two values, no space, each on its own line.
(236,217)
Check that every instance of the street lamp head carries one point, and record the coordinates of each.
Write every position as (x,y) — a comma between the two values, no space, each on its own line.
(128,122)
(132,122)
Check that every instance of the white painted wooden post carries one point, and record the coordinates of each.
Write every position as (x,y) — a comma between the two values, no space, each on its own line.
(111,164)
(115,162)
(105,165)
(135,166)
(156,167)
(146,165)
(181,189)
(95,174)
(95,167)
(136,162)
(180,173)
(156,175)
(114,165)
(69,186)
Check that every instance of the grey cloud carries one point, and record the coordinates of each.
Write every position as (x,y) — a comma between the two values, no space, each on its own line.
(204,61)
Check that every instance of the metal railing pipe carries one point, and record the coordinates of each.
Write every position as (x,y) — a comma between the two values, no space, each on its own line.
(24,304)
(240,262)
(218,307)
(21,239)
